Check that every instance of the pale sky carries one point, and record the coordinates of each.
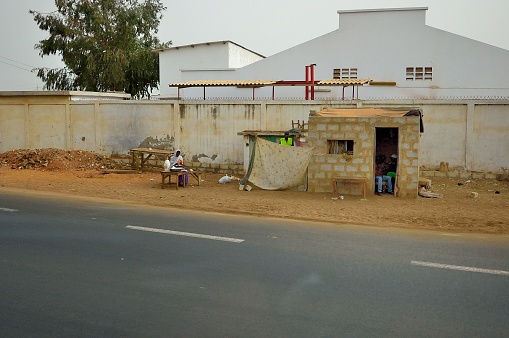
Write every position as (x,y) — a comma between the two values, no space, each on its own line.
(264,26)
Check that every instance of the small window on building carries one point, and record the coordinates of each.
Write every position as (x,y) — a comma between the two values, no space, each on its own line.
(419,73)
(338,147)
(345,73)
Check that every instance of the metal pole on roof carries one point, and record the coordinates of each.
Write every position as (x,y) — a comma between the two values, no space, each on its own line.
(307,80)
(312,69)
(273,89)
(204,92)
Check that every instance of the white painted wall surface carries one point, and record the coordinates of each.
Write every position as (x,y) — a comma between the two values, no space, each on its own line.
(239,57)
(444,137)
(12,127)
(470,134)
(219,56)
(381,45)
(490,140)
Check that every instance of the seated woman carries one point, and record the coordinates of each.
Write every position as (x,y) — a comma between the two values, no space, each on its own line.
(178,161)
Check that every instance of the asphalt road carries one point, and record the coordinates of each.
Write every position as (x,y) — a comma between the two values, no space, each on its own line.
(77,268)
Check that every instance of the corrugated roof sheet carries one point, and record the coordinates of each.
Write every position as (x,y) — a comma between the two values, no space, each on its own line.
(360,112)
(260,83)
(369,112)
(223,83)
(343,82)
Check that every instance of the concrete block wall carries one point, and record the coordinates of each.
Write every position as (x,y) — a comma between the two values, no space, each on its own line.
(460,175)
(324,166)
(471,135)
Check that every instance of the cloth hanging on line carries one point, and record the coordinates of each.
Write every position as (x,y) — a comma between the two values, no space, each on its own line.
(278,167)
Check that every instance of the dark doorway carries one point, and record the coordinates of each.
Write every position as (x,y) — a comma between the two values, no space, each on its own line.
(386,150)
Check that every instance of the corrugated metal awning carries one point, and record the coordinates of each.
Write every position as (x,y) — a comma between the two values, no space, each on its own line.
(343,82)
(360,112)
(224,83)
(369,112)
(262,83)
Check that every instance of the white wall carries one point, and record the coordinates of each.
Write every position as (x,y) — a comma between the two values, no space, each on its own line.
(176,63)
(380,44)
(469,134)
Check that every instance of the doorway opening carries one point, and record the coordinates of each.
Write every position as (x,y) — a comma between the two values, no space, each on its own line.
(387,154)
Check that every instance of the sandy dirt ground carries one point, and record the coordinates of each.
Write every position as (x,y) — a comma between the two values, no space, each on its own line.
(81,174)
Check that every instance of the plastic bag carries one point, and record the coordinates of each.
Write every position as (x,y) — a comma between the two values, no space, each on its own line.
(167,165)
(225,179)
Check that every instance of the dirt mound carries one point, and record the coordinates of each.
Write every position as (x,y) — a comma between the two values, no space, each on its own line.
(57,160)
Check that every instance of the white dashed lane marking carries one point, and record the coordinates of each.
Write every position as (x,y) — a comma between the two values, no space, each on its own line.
(460,268)
(8,209)
(187,234)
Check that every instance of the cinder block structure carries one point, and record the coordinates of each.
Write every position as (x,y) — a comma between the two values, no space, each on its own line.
(348,142)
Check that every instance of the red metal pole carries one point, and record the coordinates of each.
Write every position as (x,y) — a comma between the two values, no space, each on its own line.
(312,68)
(307,80)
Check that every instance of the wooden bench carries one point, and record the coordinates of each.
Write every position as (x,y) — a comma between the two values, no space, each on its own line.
(196,174)
(169,174)
(139,156)
(358,180)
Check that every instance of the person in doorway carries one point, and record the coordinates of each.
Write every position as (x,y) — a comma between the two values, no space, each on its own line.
(287,140)
(178,161)
(380,177)
(393,167)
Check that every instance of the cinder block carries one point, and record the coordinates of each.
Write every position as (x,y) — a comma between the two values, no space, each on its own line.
(465,174)
(490,176)
(477,176)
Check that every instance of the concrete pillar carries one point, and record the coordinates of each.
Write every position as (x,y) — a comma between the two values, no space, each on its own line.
(469,135)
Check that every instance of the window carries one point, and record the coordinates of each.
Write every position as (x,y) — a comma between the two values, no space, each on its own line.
(338,147)
(345,73)
(419,73)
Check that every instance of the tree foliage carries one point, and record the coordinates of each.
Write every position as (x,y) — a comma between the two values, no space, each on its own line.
(106,45)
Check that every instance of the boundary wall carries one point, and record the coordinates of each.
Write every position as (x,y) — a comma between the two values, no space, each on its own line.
(471,135)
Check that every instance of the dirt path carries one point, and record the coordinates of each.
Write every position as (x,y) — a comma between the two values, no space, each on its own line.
(457,211)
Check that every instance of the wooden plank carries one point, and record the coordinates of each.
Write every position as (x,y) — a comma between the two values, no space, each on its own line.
(119,171)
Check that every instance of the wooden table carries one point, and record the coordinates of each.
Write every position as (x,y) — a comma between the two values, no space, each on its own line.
(169,174)
(140,155)
(361,180)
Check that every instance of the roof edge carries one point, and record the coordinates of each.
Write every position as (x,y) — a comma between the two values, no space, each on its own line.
(398,9)
(209,43)
(65,93)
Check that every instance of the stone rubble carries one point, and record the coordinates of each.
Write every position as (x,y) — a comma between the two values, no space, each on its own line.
(52,159)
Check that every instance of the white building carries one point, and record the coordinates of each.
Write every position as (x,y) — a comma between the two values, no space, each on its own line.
(191,61)
(394,48)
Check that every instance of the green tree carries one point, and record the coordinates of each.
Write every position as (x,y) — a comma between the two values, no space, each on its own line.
(106,45)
